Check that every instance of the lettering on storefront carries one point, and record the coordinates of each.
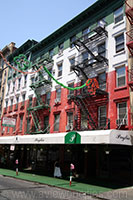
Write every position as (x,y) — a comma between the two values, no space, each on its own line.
(123,138)
(39,140)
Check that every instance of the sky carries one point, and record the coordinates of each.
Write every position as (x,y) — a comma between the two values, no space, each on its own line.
(35,19)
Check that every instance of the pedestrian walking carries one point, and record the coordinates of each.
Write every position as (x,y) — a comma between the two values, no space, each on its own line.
(72,167)
(57,170)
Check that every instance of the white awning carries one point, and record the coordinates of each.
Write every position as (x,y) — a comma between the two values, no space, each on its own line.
(119,137)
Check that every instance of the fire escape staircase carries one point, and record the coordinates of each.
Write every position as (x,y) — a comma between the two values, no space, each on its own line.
(37,86)
(129,15)
(84,69)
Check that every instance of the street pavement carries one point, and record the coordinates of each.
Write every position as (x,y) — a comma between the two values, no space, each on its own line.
(44,187)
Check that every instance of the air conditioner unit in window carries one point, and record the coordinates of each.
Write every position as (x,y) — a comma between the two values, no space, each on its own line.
(121,121)
(69,127)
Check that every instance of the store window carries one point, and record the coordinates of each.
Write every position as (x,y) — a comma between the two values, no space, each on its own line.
(56,122)
(118,15)
(120,76)
(119,43)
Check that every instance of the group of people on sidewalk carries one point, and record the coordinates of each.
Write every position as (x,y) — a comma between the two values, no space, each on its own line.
(57,169)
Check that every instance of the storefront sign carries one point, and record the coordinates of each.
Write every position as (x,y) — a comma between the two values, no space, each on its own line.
(73,138)
(8,122)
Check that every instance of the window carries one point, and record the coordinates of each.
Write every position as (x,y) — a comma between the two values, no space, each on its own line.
(84,121)
(13,86)
(11,104)
(101,49)
(21,122)
(32,80)
(102,116)
(122,110)
(25,79)
(102,81)
(61,47)
(85,33)
(23,97)
(60,69)
(46,124)
(72,63)
(51,53)
(30,101)
(19,83)
(70,119)
(85,55)
(72,40)
(8,87)
(6,103)
(71,85)
(58,93)
(118,15)
(56,122)
(119,43)
(48,94)
(120,76)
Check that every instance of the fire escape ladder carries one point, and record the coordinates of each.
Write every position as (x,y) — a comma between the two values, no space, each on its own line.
(129,15)
(80,103)
(40,84)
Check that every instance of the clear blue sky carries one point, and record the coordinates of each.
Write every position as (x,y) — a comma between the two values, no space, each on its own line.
(35,19)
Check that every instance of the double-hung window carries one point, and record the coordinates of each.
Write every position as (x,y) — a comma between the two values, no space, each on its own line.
(56,122)
(72,63)
(122,111)
(120,76)
(60,69)
(119,43)
(118,15)
(102,116)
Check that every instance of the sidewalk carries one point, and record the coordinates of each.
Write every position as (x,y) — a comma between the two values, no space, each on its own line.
(61,183)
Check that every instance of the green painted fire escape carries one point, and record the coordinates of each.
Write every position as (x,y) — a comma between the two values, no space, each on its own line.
(37,86)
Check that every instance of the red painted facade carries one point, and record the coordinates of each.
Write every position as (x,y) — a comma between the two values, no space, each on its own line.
(115,95)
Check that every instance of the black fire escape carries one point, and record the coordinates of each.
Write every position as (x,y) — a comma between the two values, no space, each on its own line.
(91,62)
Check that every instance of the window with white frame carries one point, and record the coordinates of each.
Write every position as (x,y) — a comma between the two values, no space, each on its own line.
(120,76)
(58,93)
(118,15)
(59,69)
(72,62)
(122,110)
(72,40)
(119,43)
(6,103)
(19,83)
(11,104)
(102,116)
(56,122)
